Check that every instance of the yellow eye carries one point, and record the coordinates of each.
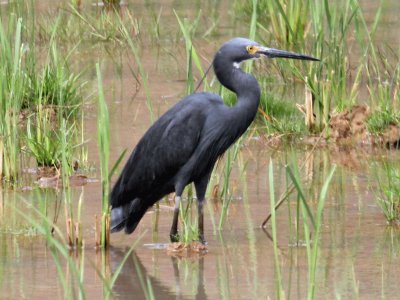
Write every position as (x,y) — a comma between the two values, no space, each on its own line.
(251,49)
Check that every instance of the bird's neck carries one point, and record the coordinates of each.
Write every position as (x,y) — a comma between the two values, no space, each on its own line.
(247,90)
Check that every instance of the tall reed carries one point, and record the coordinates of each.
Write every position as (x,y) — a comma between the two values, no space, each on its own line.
(47,95)
(330,28)
(103,135)
(324,29)
(280,293)
(188,29)
(312,223)
(231,156)
(328,81)
(13,53)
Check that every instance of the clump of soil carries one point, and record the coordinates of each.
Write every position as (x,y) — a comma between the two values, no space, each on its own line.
(186,250)
(50,177)
(350,125)
(391,136)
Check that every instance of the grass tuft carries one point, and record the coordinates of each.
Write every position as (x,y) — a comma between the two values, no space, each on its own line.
(389,193)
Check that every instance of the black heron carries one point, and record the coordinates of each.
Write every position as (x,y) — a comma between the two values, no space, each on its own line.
(183,145)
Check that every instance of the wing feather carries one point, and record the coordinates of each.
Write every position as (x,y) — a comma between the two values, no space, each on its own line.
(161,152)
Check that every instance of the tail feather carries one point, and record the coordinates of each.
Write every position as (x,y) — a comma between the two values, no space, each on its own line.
(118,219)
(127,216)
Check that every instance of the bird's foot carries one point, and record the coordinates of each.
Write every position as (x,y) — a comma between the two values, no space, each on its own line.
(174,237)
(202,240)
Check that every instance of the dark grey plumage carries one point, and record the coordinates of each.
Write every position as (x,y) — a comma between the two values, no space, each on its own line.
(183,145)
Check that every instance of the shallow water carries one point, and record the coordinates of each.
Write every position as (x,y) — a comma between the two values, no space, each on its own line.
(359,253)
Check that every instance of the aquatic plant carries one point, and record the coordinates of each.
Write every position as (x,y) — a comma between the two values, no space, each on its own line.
(48,145)
(277,115)
(188,29)
(288,21)
(384,95)
(278,278)
(189,230)
(81,26)
(44,100)
(313,245)
(388,197)
(381,119)
(143,74)
(103,133)
(325,29)
(327,82)
(12,81)
(312,223)
(231,156)
(54,102)
(56,88)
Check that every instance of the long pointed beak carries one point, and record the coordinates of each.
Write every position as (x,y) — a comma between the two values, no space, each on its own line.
(271,53)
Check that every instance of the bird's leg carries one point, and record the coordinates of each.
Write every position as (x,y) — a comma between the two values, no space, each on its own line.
(201,187)
(174,228)
(200,206)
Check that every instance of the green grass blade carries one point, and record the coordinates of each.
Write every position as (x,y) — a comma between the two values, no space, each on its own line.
(116,164)
(315,248)
(299,190)
(278,278)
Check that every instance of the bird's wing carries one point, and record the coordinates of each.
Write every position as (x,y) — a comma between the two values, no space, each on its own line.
(161,152)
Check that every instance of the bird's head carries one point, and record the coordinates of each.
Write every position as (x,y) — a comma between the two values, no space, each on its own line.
(241,49)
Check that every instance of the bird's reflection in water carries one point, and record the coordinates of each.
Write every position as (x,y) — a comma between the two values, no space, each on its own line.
(134,281)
